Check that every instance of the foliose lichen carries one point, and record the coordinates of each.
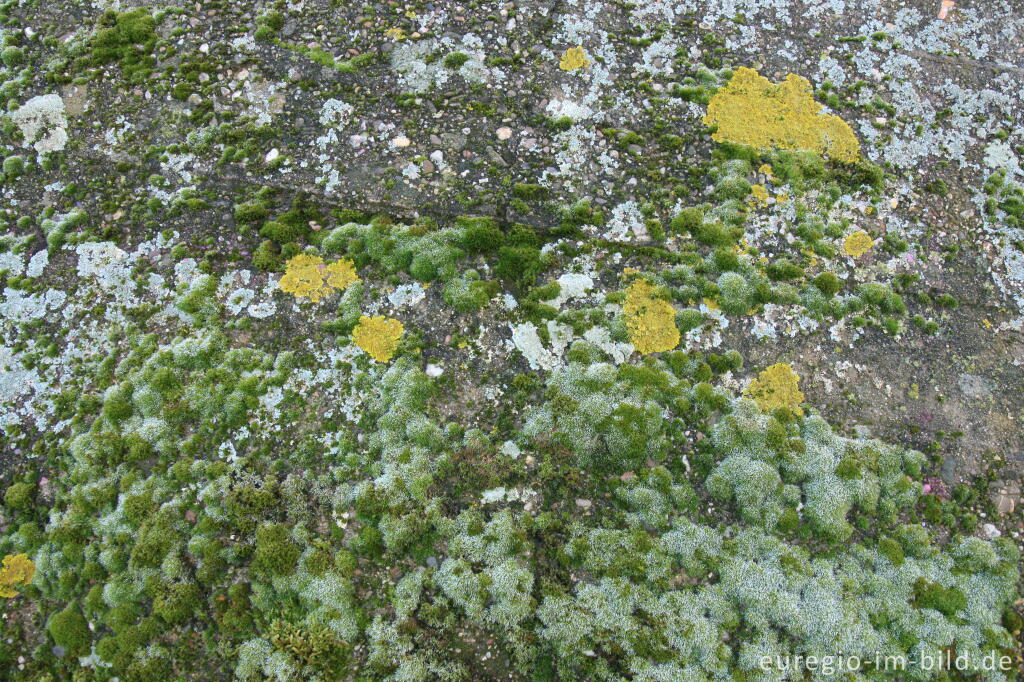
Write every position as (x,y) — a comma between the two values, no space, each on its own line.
(777,386)
(378,336)
(309,277)
(751,110)
(650,320)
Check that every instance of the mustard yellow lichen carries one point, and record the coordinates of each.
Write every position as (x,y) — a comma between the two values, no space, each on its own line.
(307,276)
(378,336)
(759,195)
(651,322)
(573,59)
(341,273)
(858,243)
(752,110)
(777,386)
(17,569)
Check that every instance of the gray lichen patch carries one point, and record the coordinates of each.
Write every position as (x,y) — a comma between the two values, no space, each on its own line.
(43,123)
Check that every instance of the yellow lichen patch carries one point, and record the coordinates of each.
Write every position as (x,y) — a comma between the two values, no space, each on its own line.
(858,243)
(759,195)
(341,273)
(573,59)
(304,277)
(17,569)
(752,110)
(309,277)
(651,322)
(777,386)
(378,336)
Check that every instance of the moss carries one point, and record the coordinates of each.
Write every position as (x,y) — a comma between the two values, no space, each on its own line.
(1013,623)
(671,142)
(545,292)
(528,192)
(736,295)
(784,270)
(861,173)
(518,263)
(276,553)
(18,496)
(480,235)
(798,168)
(848,468)
(12,56)
(947,601)
(828,283)
(789,521)
(937,186)
(137,508)
(267,257)
(524,235)
(455,60)
(560,124)
(715,234)
(251,211)
(177,602)
(467,293)
(70,630)
(272,19)
(732,187)
(689,318)
(155,539)
(687,221)
(578,214)
(128,38)
(14,166)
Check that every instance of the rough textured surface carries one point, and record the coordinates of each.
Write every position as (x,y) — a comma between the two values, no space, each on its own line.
(409,340)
